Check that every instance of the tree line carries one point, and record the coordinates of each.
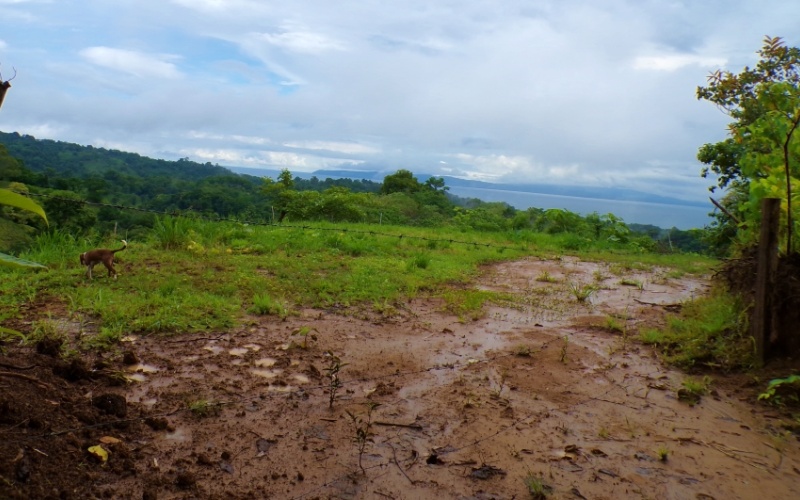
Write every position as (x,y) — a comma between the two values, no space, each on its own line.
(70,175)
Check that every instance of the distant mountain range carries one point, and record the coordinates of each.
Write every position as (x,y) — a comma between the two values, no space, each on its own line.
(604,193)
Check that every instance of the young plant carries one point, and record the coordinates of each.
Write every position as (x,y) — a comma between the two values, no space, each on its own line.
(782,390)
(523,351)
(264,304)
(305,332)
(201,407)
(363,431)
(546,277)
(631,282)
(693,390)
(582,293)
(563,354)
(537,488)
(335,365)
(663,453)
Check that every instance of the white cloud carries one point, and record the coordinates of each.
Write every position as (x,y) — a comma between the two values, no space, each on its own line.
(273,159)
(300,41)
(569,91)
(338,147)
(673,62)
(138,64)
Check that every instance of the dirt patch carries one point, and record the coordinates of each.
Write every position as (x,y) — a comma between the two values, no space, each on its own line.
(548,390)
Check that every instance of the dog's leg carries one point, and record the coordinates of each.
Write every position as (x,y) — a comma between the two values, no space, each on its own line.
(110,266)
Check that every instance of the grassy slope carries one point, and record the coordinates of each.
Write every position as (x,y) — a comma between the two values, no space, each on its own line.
(216,272)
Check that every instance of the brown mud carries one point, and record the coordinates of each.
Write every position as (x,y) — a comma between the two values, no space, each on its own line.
(546,390)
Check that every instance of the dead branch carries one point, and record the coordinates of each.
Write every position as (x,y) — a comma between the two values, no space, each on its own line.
(35,380)
(416,427)
(726,212)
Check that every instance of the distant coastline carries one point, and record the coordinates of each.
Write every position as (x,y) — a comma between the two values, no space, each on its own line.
(631,206)
(662,215)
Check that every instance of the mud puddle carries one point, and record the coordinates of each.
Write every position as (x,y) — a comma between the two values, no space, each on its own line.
(540,388)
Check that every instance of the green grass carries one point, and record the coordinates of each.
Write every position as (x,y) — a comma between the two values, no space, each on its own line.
(194,276)
(710,331)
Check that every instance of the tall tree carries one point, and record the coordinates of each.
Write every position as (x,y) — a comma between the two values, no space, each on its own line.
(762,154)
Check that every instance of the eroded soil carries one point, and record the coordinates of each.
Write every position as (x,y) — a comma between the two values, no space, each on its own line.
(544,387)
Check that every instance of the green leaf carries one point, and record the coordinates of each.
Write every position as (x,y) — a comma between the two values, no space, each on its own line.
(11,261)
(9,331)
(13,199)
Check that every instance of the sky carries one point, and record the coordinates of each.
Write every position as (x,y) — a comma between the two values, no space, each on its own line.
(566,92)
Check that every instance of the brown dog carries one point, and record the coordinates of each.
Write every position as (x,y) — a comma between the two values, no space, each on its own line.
(104,255)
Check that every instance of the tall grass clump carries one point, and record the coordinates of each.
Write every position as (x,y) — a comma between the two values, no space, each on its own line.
(710,331)
(171,233)
(54,248)
(264,304)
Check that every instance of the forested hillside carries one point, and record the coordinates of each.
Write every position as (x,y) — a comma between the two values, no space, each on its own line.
(88,190)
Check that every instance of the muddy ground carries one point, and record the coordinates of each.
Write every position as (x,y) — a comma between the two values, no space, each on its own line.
(554,393)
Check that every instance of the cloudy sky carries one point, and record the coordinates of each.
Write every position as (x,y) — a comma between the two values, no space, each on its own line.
(587,92)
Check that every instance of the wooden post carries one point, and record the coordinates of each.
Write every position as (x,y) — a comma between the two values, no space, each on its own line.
(765,276)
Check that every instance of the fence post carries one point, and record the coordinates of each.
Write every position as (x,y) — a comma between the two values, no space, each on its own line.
(765,276)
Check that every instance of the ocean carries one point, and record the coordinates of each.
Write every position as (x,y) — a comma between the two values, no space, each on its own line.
(658,214)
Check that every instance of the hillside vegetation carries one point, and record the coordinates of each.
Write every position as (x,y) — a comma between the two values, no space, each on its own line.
(76,185)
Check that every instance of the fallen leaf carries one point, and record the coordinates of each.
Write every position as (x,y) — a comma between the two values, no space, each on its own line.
(99,452)
(109,440)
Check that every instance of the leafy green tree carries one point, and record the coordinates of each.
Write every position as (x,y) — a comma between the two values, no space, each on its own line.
(762,156)
(402,181)
(280,193)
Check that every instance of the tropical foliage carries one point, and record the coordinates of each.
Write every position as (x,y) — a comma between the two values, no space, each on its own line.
(761,158)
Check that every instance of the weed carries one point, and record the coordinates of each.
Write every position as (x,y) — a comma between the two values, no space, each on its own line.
(8,333)
(603,433)
(663,453)
(363,431)
(546,277)
(781,391)
(523,351)
(266,305)
(693,390)
(582,292)
(652,336)
(471,401)
(201,407)
(613,324)
(631,282)
(497,392)
(537,488)
(384,308)
(171,233)
(335,365)
(419,262)
(599,276)
(710,331)
(563,354)
(305,332)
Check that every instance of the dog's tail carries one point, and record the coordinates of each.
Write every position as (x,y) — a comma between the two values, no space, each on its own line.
(124,246)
